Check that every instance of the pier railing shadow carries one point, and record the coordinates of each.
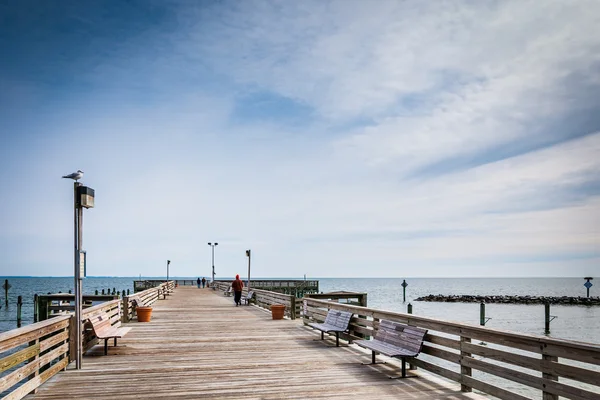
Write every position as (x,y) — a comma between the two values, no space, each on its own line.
(31,355)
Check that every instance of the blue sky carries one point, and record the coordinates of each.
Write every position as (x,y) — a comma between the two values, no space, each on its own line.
(333,138)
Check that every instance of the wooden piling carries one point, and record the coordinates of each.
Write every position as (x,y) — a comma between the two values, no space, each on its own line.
(19,308)
(35,308)
(6,287)
(547,318)
(482,314)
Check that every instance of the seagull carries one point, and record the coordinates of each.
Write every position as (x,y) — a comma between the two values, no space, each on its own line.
(75,175)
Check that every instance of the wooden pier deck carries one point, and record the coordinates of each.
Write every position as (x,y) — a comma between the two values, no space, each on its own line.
(199,345)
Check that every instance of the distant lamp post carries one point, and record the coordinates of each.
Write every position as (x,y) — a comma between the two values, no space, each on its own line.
(588,284)
(212,245)
(83,198)
(168,262)
(248,254)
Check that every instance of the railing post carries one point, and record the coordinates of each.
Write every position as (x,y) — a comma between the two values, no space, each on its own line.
(72,338)
(33,360)
(125,308)
(464,371)
(547,358)
(293,307)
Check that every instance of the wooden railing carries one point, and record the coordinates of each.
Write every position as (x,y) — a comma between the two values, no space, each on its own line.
(47,306)
(265,298)
(146,297)
(471,354)
(33,354)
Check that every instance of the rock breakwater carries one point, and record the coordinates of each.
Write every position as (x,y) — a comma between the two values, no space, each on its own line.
(563,300)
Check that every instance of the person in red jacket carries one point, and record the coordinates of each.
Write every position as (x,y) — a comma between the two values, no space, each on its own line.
(237,287)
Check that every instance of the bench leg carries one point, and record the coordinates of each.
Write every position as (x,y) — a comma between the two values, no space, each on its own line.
(105,347)
(115,342)
(322,337)
(337,339)
(373,360)
(403,372)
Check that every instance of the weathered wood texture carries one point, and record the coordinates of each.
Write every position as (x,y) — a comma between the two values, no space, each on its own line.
(547,366)
(199,345)
(146,297)
(31,355)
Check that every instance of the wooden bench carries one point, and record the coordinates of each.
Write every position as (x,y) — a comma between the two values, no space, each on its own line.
(248,297)
(104,330)
(394,339)
(335,321)
(228,291)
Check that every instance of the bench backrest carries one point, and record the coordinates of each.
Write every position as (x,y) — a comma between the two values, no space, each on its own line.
(401,335)
(250,294)
(100,323)
(338,318)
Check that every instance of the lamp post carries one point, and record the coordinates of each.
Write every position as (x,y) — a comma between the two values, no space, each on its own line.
(212,245)
(83,198)
(168,262)
(248,254)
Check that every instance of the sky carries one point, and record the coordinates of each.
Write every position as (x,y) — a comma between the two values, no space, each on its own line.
(332,138)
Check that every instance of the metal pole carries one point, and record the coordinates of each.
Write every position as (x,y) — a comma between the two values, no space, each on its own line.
(249,256)
(79,293)
(213,262)
(76,275)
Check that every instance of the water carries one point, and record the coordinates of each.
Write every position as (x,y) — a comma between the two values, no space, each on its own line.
(580,323)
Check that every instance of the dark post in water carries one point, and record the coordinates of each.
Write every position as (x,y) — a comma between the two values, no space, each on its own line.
(482,314)
(588,285)
(19,307)
(547,318)
(404,285)
(6,287)
(482,318)
(409,308)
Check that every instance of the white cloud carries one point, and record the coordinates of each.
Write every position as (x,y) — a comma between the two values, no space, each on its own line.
(438,83)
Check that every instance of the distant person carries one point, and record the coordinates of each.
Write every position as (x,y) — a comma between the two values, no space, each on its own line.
(203,282)
(237,286)
(198,282)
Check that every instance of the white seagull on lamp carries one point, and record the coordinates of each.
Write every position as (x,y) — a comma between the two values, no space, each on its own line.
(75,175)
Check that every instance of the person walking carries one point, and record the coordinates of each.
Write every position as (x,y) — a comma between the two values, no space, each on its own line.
(198,282)
(237,286)
(203,282)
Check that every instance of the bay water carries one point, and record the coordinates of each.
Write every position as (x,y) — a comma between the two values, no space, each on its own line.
(580,323)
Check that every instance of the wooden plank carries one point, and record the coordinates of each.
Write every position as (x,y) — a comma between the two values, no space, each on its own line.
(492,390)
(16,376)
(53,354)
(533,381)
(20,336)
(19,357)
(53,340)
(36,382)
(192,338)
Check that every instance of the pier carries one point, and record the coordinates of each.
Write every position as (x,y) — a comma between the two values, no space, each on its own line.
(199,345)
